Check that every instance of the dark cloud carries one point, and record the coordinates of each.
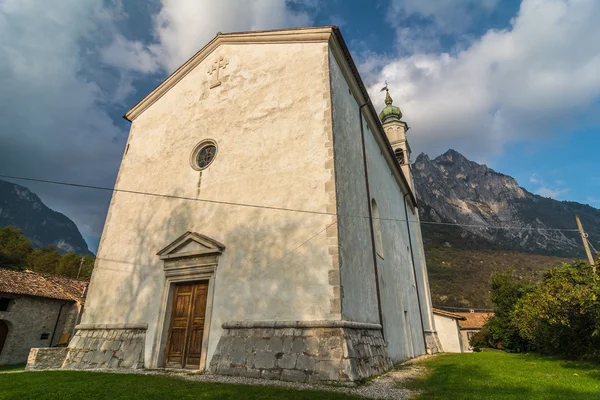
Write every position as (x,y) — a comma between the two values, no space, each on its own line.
(54,124)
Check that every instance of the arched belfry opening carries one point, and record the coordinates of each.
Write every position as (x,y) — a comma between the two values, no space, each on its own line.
(399,156)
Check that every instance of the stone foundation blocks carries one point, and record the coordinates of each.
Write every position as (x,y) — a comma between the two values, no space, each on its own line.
(106,346)
(46,358)
(301,351)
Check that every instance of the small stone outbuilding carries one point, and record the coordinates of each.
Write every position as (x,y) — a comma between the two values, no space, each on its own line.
(448,329)
(36,310)
(472,323)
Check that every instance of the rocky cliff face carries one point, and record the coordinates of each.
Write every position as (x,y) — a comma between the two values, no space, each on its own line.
(453,189)
(21,208)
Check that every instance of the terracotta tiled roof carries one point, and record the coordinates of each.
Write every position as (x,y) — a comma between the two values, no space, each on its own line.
(447,314)
(474,320)
(41,285)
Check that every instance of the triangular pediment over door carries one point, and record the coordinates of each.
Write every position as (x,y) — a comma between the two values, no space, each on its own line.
(191,245)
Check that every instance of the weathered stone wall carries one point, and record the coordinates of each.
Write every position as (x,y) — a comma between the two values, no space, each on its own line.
(28,318)
(106,348)
(46,358)
(301,354)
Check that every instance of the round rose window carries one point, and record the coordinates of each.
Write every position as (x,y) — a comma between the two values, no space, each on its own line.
(203,155)
(206,155)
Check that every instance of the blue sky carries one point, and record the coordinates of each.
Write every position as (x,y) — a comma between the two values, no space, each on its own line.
(512,84)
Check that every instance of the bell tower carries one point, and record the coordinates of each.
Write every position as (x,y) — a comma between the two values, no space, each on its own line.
(395,129)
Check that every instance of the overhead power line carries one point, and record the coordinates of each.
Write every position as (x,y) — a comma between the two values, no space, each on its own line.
(592,246)
(230,203)
(498,227)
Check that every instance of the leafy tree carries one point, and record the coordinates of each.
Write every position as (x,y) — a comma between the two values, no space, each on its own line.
(562,316)
(500,331)
(45,259)
(87,267)
(14,248)
(16,253)
(71,263)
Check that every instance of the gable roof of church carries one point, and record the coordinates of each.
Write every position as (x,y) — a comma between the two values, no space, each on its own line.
(292,35)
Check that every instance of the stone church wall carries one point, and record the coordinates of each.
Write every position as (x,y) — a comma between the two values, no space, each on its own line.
(277,265)
(402,326)
(274,151)
(309,354)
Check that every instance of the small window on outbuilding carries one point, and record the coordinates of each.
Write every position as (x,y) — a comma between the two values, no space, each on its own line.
(4,303)
(44,336)
(377,228)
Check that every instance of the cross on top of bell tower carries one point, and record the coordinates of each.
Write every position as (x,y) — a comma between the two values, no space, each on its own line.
(389,112)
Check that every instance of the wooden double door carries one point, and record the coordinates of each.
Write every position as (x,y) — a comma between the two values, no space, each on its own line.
(186,329)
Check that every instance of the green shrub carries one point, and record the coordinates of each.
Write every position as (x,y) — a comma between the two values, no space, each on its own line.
(500,331)
(562,315)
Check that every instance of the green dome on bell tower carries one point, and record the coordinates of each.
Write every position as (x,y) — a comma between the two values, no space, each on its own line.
(389,112)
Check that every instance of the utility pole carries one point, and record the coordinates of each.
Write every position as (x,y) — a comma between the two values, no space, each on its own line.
(585,243)
(81,264)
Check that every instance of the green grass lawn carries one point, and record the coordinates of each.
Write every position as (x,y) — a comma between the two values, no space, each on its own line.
(74,385)
(499,375)
(11,368)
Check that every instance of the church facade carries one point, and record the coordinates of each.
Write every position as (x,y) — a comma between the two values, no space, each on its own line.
(264,222)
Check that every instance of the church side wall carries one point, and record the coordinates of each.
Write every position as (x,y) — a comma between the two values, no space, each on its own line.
(396,277)
(398,287)
(359,300)
(423,282)
(270,118)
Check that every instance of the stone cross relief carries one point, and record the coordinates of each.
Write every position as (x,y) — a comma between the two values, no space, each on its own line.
(214,69)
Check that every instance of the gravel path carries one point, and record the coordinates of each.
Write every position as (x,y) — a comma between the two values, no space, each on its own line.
(383,387)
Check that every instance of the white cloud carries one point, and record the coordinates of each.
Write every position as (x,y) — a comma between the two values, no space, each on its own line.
(129,55)
(593,200)
(551,192)
(509,85)
(545,189)
(182,27)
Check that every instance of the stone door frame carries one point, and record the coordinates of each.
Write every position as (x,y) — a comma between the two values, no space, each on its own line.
(184,266)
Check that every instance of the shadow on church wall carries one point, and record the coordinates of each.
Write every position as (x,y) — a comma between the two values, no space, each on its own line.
(269,269)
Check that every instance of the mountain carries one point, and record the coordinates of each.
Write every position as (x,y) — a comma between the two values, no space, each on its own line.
(453,189)
(23,209)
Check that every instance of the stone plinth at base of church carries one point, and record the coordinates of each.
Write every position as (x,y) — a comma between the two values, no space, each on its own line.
(44,358)
(433,343)
(301,351)
(106,346)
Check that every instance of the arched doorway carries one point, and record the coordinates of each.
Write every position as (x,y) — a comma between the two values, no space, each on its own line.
(3,334)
